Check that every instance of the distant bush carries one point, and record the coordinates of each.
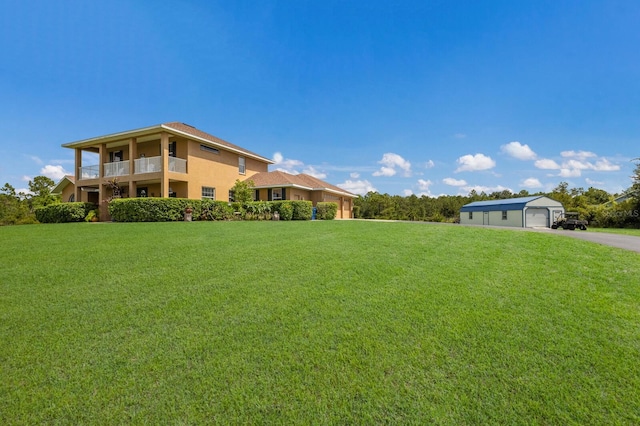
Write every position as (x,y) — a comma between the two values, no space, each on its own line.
(63,212)
(326,210)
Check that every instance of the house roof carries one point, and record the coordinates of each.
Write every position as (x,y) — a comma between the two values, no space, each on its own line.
(62,184)
(506,204)
(175,128)
(280,179)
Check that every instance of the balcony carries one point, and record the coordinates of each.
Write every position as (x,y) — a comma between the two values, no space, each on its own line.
(90,172)
(154,164)
(118,168)
(142,165)
(177,165)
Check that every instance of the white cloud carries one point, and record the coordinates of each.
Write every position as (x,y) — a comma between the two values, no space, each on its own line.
(424,185)
(407,192)
(564,172)
(36,159)
(390,162)
(593,182)
(53,172)
(354,175)
(429,164)
(531,183)
(575,162)
(25,178)
(454,182)
(360,187)
(310,170)
(286,164)
(605,165)
(472,163)
(546,164)
(581,155)
(517,150)
(385,171)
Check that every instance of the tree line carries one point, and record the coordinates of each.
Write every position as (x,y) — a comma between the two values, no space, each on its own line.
(597,206)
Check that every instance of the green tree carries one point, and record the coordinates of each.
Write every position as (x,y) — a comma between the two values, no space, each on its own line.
(243,191)
(13,209)
(40,188)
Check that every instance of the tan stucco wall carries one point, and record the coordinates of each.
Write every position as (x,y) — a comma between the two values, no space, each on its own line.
(219,171)
(67,192)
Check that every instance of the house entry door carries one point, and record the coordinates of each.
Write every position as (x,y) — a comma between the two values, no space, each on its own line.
(485,218)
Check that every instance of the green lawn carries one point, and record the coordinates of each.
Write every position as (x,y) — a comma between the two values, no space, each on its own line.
(624,231)
(340,322)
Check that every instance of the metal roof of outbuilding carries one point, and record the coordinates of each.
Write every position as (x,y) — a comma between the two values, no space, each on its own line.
(493,205)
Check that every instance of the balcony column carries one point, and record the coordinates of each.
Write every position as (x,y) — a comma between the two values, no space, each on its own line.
(164,149)
(133,154)
(78,191)
(103,206)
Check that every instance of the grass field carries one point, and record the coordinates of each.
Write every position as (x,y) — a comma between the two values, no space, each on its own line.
(340,322)
(624,231)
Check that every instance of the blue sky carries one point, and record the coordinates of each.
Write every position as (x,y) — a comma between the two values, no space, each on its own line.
(422,97)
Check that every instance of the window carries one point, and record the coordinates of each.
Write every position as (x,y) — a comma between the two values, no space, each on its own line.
(115,156)
(210,149)
(276,194)
(470,215)
(208,192)
(232,195)
(241,166)
(72,198)
(504,215)
(172,149)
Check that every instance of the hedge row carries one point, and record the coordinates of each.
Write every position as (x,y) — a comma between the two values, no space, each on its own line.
(173,209)
(64,212)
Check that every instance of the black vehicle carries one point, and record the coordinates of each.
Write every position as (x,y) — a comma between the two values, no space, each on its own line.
(570,220)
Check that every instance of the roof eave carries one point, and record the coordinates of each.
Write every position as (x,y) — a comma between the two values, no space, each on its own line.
(113,137)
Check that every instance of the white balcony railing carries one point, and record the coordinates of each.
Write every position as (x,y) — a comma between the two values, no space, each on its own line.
(178,165)
(148,165)
(117,168)
(154,164)
(90,172)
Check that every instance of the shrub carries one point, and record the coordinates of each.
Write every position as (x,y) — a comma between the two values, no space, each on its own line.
(63,212)
(213,210)
(284,209)
(302,210)
(148,209)
(326,210)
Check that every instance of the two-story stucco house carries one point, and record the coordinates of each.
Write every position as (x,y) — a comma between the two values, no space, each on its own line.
(174,160)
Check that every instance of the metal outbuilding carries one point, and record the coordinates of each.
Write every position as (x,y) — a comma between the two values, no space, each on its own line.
(524,212)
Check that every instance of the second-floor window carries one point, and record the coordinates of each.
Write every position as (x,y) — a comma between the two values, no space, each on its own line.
(241,166)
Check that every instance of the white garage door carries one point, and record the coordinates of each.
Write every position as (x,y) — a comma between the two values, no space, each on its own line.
(536,217)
